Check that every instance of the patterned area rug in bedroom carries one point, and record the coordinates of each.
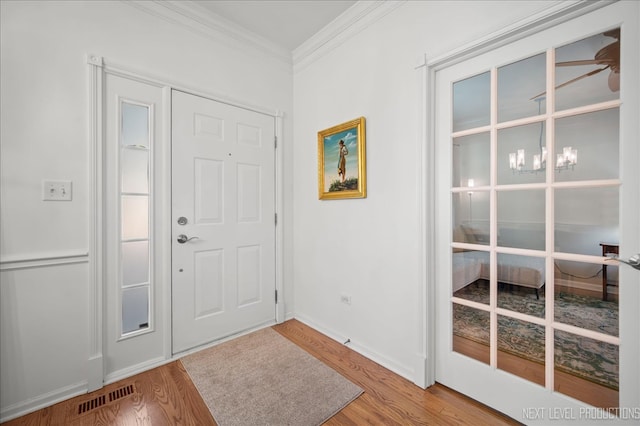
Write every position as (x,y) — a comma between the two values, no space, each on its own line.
(586,358)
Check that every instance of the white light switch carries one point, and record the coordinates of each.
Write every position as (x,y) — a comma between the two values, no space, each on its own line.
(56,190)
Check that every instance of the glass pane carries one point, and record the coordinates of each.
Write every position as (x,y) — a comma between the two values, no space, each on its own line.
(472,102)
(521,219)
(521,282)
(135,309)
(522,154)
(587,146)
(135,171)
(135,217)
(471,217)
(521,348)
(584,218)
(135,125)
(578,297)
(518,83)
(471,332)
(135,263)
(471,155)
(598,55)
(586,369)
(470,275)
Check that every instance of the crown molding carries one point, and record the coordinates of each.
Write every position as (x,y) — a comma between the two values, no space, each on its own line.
(355,19)
(192,16)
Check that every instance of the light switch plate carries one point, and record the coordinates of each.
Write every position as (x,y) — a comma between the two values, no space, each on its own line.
(56,190)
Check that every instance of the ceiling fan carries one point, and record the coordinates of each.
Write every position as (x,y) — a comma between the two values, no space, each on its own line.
(608,57)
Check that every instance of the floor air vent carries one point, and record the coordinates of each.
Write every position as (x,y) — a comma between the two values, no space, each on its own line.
(120,393)
(92,404)
(101,400)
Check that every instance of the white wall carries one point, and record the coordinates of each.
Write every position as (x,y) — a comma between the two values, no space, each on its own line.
(370,248)
(44,336)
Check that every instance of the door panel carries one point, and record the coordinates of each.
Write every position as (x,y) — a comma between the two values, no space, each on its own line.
(134,319)
(223,181)
(531,182)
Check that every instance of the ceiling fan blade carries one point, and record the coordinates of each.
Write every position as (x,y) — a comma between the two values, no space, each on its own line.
(573,80)
(602,61)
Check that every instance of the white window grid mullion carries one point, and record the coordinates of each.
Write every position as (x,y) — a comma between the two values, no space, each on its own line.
(550,224)
(493,221)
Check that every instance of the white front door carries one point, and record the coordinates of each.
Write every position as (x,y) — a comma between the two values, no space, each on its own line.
(537,182)
(223,220)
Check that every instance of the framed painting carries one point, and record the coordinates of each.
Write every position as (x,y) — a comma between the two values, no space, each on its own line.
(341,161)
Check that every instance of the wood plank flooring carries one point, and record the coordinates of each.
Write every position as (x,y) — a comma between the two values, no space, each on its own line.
(166,396)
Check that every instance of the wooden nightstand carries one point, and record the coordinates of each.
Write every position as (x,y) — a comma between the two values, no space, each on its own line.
(607,249)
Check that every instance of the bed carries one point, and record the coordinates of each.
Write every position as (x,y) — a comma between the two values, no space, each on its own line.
(523,271)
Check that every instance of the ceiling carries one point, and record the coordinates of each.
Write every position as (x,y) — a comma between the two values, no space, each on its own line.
(287,23)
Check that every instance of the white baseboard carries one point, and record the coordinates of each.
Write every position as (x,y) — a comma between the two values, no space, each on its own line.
(403,371)
(42,401)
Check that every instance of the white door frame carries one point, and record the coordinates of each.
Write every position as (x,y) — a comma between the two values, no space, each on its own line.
(558,13)
(97,67)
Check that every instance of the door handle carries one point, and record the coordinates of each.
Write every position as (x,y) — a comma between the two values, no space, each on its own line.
(183,238)
(634,261)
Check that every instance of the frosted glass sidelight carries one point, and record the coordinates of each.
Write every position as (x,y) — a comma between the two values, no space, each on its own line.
(135,171)
(518,85)
(472,102)
(135,217)
(135,262)
(135,309)
(135,125)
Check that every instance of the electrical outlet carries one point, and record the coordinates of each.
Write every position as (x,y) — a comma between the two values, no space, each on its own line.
(346,299)
(56,190)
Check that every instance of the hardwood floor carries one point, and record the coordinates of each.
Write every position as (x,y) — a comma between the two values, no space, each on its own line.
(166,396)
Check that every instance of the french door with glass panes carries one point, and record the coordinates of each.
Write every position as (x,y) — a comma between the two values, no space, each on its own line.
(537,167)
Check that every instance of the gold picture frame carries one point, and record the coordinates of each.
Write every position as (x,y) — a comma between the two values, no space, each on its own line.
(342,171)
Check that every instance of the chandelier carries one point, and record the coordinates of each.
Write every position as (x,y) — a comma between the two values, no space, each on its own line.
(564,161)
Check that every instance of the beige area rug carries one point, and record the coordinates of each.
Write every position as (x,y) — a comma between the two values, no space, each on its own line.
(265,379)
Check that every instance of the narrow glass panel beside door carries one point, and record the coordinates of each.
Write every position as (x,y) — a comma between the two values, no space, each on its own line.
(135,198)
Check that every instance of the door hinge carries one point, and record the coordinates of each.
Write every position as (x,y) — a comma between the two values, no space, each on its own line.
(276,296)
(275,218)
(275,142)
